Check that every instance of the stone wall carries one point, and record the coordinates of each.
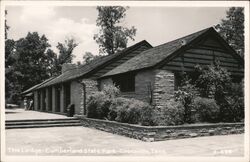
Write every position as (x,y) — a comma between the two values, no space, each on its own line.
(90,87)
(76,95)
(163,88)
(161,133)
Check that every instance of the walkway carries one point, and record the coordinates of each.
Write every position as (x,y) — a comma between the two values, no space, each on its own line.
(86,141)
(21,114)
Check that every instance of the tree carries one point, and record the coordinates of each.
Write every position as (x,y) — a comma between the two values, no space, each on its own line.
(11,85)
(232,28)
(112,36)
(32,64)
(5,25)
(65,54)
(88,57)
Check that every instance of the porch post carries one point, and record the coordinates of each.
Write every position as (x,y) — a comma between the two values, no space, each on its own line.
(47,105)
(36,100)
(53,99)
(41,100)
(62,99)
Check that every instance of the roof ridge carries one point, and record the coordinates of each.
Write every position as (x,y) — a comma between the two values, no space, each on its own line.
(183,37)
(152,56)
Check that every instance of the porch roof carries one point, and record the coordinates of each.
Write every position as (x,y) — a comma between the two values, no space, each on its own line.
(36,86)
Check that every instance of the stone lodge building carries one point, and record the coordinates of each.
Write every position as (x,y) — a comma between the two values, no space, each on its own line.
(147,73)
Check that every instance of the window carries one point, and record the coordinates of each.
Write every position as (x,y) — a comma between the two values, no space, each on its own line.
(125,82)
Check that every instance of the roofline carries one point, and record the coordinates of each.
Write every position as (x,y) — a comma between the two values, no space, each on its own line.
(131,48)
(37,86)
(169,56)
(183,48)
(104,64)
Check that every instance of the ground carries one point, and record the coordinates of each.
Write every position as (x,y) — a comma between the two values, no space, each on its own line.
(21,114)
(79,140)
(87,141)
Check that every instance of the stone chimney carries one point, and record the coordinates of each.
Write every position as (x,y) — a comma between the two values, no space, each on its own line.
(67,66)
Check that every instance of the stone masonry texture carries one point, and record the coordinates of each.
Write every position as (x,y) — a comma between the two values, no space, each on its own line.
(91,86)
(163,88)
(76,93)
(161,133)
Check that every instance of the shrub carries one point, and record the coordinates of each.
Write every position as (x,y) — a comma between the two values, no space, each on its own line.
(125,110)
(186,95)
(232,109)
(130,111)
(206,110)
(98,106)
(148,116)
(171,114)
(111,91)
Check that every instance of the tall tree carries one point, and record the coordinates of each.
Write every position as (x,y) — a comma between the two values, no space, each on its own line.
(112,36)
(32,60)
(65,54)
(11,84)
(5,25)
(232,28)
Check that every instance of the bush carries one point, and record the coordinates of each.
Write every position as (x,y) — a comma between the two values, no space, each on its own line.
(125,110)
(111,91)
(130,111)
(98,106)
(206,110)
(171,114)
(148,116)
(232,109)
(186,95)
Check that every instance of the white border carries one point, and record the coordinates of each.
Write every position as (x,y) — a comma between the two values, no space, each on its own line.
(127,3)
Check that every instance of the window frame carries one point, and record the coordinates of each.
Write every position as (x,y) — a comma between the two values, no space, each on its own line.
(125,82)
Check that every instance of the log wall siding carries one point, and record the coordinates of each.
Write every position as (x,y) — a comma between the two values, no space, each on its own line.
(206,54)
(120,61)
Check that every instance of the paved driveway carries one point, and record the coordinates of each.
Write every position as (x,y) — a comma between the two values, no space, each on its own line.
(86,141)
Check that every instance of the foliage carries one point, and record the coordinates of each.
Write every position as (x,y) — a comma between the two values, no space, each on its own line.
(171,114)
(99,103)
(112,36)
(111,91)
(186,94)
(148,116)
(27,62)
(232,28)
(6,27)
(232,105)
(98,106)
(129,111)
(33,64)
(215,83)
(206,110)
(89,57)
(213,80)
(65,54)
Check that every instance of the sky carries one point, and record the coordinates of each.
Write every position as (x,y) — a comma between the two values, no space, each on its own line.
(157,25)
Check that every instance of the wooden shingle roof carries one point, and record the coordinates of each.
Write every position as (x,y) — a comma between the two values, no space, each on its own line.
(91,67)
(153,56)
(36,86)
